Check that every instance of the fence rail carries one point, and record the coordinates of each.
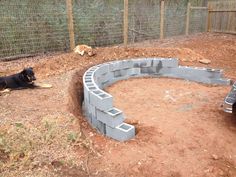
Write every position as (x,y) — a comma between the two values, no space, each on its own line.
(30,27)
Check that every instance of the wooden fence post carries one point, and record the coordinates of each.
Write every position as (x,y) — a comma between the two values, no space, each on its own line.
(209,17)
(70,23)
(162,15)
(126,23)
(187,19)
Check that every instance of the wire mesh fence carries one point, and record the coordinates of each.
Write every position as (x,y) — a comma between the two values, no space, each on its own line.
(198,20)
(175,21)
(144,20)
(98,24)
(28,27)
(32,27)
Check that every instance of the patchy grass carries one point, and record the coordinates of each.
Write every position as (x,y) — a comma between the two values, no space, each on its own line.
(51,146)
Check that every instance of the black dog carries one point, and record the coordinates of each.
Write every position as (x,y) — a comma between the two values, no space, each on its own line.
(21,80)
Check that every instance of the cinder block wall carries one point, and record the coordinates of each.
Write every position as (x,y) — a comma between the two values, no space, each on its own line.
(98,105)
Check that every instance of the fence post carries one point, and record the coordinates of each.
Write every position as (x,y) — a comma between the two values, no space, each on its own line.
(70,23)
(209,17)
(187,19)
(162,15)
(126,23)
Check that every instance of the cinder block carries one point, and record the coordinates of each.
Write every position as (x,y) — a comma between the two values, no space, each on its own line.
(106,84)
(120,65)
(120,73)
(192,74)
(102,69)
(101,100)
(126,73)
(106,77)
(229,101)
(148,70)
(126,64)
(88,80)
(112,117)
(143,62)
(86,112)
(134,71)
(89,74)
(165,62)
(122,132)
(86,93)
(232,94)
(115,65)
(214,73)
(99,126)
(221,81)
(119,79)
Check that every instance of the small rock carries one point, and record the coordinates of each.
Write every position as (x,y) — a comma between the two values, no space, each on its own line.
(205,61)
(215,157)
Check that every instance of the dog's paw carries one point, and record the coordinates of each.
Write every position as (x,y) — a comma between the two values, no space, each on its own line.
(5,91)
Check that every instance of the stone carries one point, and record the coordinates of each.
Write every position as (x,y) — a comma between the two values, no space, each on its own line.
(205,61)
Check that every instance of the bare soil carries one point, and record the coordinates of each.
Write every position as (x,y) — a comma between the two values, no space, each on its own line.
(181,128)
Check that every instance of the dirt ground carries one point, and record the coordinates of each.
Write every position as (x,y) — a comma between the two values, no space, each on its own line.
(181,128)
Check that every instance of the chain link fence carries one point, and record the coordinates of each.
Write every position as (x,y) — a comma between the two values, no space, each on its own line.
(31,27)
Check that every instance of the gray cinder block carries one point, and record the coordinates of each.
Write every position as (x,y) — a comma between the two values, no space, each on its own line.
(106,77)
(86,112)
(115,65)
(221,81)
(120,65)
(101,100)
(143,62)
(121,73)
(98,125)
(166,62)
(126,64)
(229,100)
(192,74)
(102,69)
(112,117)
(149,70)
(134,71)
(122,132)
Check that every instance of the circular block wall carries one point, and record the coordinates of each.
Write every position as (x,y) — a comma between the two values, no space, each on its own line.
(98,105)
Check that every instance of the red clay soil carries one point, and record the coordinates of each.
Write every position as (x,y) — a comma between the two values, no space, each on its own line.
(181,128)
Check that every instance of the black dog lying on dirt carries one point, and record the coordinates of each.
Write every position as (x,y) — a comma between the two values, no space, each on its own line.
(21,80)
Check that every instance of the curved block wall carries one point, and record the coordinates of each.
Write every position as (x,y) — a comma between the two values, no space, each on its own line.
(98,105)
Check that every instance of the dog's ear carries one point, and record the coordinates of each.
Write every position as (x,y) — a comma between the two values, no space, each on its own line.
(24,72)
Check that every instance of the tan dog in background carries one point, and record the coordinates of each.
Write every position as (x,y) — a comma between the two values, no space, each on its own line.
(83,49)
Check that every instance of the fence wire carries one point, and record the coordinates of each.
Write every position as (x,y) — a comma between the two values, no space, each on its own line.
(144,21)
(32,26)
(198,21)
(98,24)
